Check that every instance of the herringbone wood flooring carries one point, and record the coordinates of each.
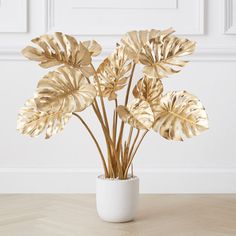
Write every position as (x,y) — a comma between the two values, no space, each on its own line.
(75,215)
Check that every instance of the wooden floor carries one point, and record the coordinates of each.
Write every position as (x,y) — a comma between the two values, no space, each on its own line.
(158,215)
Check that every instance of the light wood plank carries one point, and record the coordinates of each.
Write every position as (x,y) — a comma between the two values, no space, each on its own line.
(75,214)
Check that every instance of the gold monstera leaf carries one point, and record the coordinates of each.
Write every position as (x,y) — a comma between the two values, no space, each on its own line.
(180,115)
(160,57)
(58,49)
(64,89)
(94,48)
(135,40)
(33,122)
(150,90)
(138,114)
(113,72)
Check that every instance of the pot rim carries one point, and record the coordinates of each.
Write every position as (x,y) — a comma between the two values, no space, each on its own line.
(130,179)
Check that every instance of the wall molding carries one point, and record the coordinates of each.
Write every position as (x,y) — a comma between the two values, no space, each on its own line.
(51,14)
(154,180)
(229,22)
(115,5)
(202,54)
(212,53)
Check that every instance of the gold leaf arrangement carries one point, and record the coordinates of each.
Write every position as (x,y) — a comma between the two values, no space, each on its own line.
(74,84)
(33,122)
(62,49)
(180,115)
(160,56)
(113,72)
(138,114)
(150,90)
(134,41)
(65,89)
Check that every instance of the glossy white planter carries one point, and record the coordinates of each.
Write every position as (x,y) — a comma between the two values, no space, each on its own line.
(116,199)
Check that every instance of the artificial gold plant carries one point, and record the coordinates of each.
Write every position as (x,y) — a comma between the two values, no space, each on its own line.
(75,85)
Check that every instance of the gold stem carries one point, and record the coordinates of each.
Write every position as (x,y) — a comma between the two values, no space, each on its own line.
(127,148)
(95,141)
(130,135)
(116,102)
(107,138)
(119,143)
(101,97)
(106,126)
(117,156)
(114,127)
(136,149)
(96,107)
(132,171)
(99,115)
(115,122)
(134,142)
(129,85)
(123,156)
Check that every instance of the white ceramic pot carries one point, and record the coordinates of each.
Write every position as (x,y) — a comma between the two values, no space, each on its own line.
(116,199)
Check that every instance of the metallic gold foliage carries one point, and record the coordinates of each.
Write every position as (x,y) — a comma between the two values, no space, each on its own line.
(135,40)
(65,89)
(93,47)
(180,115)
(57,49)
(33,122)
(150,90)
(138,114)
(113,72)
(160,56)
(69,89)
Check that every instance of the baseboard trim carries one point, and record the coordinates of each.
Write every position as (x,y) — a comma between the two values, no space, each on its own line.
(155,180)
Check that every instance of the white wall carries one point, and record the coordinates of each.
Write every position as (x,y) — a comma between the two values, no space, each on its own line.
(69,161)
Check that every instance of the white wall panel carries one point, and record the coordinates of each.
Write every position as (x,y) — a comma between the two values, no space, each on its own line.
(116,17)
(13,16)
